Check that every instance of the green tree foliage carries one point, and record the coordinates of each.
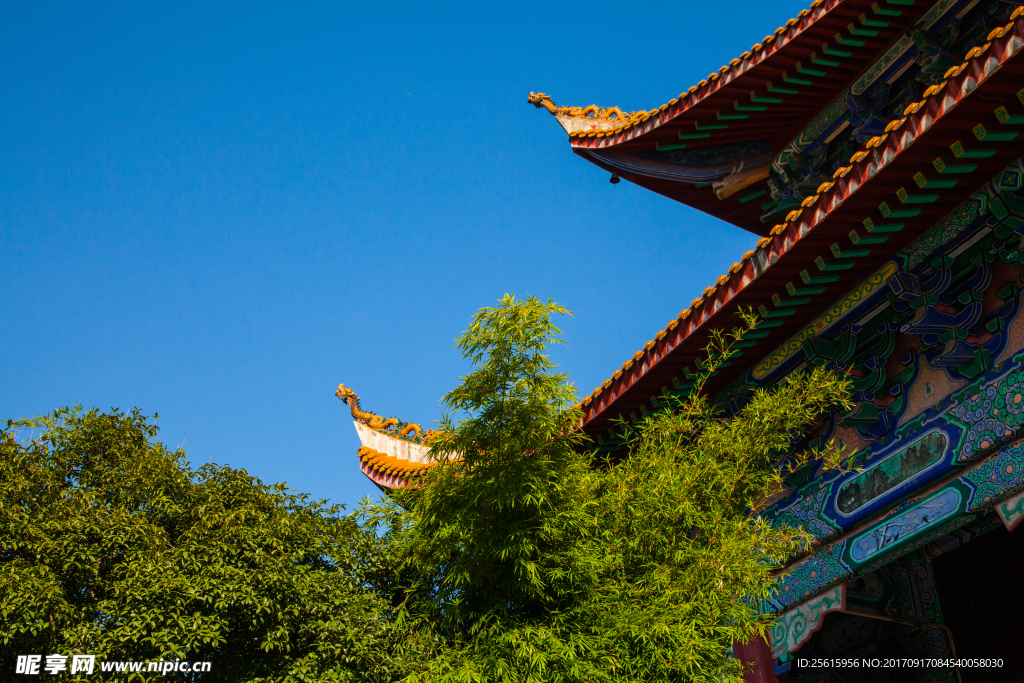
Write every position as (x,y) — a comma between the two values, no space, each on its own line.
(498,523)
(111,545)
(522,559)
(536,563)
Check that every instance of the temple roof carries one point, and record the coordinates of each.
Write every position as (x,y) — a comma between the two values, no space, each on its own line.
(746,112)
(841,239)
(828,254)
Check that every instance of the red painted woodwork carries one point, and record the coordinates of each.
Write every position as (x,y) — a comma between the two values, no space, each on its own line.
(759,654)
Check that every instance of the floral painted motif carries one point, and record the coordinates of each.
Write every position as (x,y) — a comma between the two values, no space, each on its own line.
(943,232)
(810,576)
(1009,402)
(806,512)
(1001,475)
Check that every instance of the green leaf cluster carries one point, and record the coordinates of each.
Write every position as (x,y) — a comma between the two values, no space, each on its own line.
(110,544)
(534,562)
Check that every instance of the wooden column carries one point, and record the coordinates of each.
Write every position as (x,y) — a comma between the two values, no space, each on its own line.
(759,653)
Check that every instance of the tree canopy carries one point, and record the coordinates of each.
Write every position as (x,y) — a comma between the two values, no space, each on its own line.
(110,544)
(535,562)
(523,558)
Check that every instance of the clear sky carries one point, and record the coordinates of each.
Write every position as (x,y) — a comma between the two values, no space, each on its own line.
(219,212)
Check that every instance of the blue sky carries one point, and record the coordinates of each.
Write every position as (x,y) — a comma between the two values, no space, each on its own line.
(219,212)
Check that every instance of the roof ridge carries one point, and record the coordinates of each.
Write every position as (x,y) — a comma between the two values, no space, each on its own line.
(392,426)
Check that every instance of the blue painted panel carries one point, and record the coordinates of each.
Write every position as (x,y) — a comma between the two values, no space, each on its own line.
(905,526)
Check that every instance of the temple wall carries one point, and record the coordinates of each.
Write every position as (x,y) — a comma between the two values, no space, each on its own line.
(936,350)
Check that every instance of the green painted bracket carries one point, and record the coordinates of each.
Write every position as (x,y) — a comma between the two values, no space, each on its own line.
(782,91)
(873,227)
(821,61)
(809,279)
(940,184)
(919,199)
(1003,136)
(804,291)
(841,40)
(814,72)
(822,266)
(848,253)
(977,154)
(796,81)
(870,239)
(781,313)
(755,195)
(834,52)
(965,168)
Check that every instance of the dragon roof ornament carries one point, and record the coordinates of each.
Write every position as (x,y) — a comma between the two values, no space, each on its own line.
(771,43)
(392,427)
(575,119)
(394,454)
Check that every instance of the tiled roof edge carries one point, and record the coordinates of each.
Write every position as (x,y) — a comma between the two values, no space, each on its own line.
(641,122)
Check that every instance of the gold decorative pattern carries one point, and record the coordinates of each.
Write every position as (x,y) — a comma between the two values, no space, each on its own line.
(390,426)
